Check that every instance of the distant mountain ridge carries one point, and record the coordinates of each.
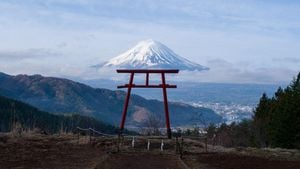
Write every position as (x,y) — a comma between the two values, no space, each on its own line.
(151,54)
(59,95)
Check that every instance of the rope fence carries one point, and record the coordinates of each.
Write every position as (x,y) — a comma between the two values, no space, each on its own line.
(147,143)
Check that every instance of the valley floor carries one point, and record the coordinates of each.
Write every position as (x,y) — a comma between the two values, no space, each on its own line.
(67,151)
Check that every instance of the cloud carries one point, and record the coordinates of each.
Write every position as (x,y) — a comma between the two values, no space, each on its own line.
(293,60)
(48,62)
(230,15)
(222,71)
(27,54)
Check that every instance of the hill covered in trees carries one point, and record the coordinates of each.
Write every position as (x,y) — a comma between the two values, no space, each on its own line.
(276,122)
(61,96)
(14,112)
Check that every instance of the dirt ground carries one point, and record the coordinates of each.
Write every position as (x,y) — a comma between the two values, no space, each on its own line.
(66,152)
(47,152)
(141,161)
(236,161)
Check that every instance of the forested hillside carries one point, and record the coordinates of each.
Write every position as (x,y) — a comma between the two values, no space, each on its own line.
(61,96)
(14,112)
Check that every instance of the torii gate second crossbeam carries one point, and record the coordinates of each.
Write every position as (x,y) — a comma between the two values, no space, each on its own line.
(131,85)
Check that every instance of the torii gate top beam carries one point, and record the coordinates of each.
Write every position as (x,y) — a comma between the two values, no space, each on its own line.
(147,70)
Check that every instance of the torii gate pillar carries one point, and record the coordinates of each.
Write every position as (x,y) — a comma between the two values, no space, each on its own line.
(164,87)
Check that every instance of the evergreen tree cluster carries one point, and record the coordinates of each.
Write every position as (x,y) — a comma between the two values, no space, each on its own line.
(276,122)
(277,119)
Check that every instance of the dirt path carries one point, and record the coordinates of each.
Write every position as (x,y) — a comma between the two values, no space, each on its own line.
(141,161)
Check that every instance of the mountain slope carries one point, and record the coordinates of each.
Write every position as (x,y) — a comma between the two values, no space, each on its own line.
(65,96)
(151,54)
(29,117)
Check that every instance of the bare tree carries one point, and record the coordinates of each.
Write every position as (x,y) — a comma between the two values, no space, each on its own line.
(152,124)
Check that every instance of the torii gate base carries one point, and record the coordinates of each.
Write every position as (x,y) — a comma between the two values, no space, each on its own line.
(131,85)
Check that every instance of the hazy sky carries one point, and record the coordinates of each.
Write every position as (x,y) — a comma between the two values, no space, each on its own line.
(242,41)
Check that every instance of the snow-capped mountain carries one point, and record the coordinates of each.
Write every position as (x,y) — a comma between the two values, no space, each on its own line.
(151,54)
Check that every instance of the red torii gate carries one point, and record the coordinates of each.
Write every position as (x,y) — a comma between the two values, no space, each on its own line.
(131,85)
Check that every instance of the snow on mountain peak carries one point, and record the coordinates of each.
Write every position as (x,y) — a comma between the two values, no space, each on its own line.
(152,54)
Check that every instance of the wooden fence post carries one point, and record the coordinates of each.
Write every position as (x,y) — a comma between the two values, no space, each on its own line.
(181,147)
(90,136)
(118,142)
(162,145)
(148,145)
(176,145)
(132,143)
(78,136)
(206,144)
